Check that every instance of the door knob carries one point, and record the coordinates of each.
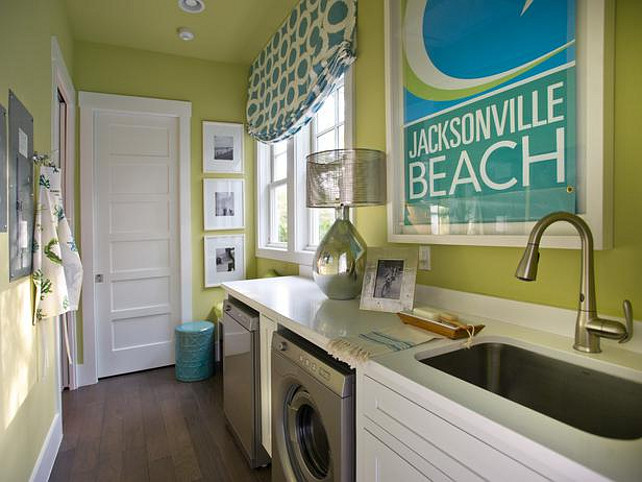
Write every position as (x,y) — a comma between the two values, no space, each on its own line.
(99,278)
(282,346)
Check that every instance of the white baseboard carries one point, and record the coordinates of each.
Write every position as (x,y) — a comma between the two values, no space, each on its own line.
(44,465)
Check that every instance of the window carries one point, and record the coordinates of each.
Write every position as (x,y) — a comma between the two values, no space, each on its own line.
(278,194)
(287,229)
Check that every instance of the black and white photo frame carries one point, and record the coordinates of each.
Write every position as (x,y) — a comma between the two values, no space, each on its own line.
(223,204)
(389,279)
(222,147)
(224,259)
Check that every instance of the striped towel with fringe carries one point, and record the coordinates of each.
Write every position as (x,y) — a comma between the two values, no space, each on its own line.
(358,349)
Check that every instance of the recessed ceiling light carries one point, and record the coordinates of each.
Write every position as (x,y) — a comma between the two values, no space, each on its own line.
(191,6)
(185,34)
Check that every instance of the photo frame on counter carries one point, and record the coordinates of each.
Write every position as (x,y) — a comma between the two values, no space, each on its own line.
(490,129)
(222,147)
(389,279)
(224,259)
(223,204)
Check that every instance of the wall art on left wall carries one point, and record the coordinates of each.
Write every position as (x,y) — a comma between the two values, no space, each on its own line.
(3,170)
(21,202)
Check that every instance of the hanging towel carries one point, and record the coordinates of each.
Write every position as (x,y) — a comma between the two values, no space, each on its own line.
(358,349)
(57,270)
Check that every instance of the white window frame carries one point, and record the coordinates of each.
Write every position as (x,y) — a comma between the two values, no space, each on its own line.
(298,248)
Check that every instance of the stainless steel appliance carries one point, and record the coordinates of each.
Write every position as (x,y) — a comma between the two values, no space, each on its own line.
(241,382)
(313,413)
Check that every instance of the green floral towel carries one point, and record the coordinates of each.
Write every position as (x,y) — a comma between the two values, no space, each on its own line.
(57,271)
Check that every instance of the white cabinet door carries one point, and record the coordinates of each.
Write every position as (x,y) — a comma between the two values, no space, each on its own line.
(382,464)
(267,327)
(429,443)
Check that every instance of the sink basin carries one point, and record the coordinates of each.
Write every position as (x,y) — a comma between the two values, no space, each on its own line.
(586,399)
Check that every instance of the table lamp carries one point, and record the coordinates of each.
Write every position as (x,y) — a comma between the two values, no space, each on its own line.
(341,179)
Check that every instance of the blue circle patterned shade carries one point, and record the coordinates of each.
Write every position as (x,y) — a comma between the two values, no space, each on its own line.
(297,69)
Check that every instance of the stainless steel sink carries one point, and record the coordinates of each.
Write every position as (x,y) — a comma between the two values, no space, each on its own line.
(586,399)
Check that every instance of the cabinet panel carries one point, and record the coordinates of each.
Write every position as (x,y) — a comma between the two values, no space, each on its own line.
(382,464)
(453,451)
(266,328)
(391,454)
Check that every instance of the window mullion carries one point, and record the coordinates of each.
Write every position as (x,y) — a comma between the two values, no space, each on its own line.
(291,189)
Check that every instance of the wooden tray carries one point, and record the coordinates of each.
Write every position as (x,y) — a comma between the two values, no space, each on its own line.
(453,330)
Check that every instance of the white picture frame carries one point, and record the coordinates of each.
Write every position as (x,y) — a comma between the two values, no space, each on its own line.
(222,147)
(223,204)
(594,143)
(389,279)
(223,259)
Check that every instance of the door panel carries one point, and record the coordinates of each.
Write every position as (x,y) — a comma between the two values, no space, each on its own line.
(127,256)
(137,241)
(140,331)
(139,216)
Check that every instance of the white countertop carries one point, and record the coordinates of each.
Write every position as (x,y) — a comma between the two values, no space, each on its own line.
(299,305)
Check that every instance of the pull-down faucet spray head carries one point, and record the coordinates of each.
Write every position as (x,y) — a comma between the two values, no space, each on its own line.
(589,327)
(527,267)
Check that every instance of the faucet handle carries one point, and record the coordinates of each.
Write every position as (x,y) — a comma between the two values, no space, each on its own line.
(628,321)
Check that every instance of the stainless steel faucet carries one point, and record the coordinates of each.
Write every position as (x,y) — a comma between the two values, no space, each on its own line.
(589,327)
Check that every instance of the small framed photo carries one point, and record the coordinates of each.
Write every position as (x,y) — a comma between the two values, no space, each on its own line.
(224,259)
(222,147)
(223,204)
(389,280)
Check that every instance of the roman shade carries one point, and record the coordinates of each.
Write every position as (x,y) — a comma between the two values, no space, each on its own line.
(297,69)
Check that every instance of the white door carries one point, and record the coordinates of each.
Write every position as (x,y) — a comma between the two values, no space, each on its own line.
(137,241)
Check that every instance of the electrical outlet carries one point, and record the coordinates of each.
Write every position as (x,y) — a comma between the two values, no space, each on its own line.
(424,258)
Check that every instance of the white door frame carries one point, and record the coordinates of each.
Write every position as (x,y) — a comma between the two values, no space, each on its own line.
(61,81)
(90,104)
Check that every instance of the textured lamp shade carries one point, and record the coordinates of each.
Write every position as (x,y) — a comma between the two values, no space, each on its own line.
(346,177)
(342,178)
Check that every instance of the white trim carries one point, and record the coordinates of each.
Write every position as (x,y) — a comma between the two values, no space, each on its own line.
(298,257)
(349,104)
(90,104)
(48,452)
(61,81)
(594,136)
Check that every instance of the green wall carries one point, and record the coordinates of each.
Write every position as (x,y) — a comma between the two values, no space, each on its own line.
(217,92)
(488,270)
(27,388)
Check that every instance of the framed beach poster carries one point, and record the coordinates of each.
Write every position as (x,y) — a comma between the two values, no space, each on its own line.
(496,117)
(222,147)
(224,258)
(223,204)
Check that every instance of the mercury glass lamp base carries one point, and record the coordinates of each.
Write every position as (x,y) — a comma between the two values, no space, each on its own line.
(340,261)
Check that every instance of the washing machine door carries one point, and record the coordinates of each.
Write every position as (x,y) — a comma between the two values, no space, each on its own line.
(306,437)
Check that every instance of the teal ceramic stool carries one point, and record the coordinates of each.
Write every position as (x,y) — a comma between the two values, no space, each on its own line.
(194,351)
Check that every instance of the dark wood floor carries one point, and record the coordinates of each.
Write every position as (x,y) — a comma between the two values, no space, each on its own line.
(148,426)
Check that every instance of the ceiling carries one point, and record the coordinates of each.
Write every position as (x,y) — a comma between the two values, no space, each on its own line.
(227,31)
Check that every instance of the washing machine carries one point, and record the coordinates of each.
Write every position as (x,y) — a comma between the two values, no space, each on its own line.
(313,413)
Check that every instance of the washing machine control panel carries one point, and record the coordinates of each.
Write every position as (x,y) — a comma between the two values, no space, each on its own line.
(339,382)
